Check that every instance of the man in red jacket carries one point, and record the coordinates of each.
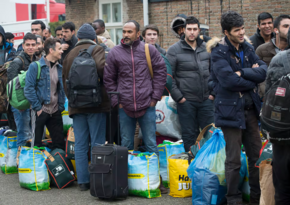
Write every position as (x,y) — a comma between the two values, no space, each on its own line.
(126,71)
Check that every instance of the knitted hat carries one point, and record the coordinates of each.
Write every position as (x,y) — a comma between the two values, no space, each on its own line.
(86,31)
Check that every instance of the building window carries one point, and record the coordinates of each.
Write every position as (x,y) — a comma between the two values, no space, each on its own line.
(111,13)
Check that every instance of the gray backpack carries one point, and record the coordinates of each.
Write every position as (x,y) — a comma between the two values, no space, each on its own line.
(83,83)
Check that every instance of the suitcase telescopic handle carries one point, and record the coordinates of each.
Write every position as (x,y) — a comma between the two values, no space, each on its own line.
(110,117)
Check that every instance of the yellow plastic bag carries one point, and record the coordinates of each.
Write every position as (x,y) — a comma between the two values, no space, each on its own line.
(180,183)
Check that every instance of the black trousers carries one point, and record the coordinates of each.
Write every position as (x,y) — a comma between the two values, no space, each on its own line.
(281,172)
(250,138)
(54,125)
(113,125)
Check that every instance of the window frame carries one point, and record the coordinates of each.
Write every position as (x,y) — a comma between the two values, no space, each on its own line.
(111,24)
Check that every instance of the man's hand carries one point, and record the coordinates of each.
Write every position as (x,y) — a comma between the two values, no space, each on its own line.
(120,106)
(255,65)
(238,73)
(64,46)
(39,113)
(153,103)
(211,97)
(182,100)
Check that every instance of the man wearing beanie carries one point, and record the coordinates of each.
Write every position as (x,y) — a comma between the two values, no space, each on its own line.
(89,123)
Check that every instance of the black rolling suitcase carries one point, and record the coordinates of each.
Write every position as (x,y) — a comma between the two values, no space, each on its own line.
(109,169)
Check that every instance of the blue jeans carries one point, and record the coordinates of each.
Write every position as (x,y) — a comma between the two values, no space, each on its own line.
(192,116)
(22,120)
(87,128)
(148,126)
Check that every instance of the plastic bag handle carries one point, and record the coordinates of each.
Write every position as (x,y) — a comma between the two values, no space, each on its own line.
(48,155)
(18,154)
(200,136)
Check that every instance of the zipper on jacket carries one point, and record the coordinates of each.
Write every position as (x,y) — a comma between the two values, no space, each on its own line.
(134,93)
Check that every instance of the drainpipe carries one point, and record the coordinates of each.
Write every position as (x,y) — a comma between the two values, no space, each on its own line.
(145,12)
(47,11)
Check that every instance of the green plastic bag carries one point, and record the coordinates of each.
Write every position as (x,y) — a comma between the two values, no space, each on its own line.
(143,175)
(32,170)
(167,149)
(9,165)
(15,90)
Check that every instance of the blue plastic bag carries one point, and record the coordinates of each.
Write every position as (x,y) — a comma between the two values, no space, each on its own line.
(207,172)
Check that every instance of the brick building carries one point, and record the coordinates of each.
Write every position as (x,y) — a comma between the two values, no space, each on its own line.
(161,13)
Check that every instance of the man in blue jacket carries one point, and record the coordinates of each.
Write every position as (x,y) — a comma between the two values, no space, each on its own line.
(46,95)
(236,72)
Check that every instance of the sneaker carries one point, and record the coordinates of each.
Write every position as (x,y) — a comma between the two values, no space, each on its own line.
(84,187)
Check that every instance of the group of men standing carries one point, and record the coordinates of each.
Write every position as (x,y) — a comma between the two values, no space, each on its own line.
(219,81)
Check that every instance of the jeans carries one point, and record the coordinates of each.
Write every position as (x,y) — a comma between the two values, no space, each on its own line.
(22,120)
(251,140)
(281,172)
(192,117)
(148,126)
(88,127)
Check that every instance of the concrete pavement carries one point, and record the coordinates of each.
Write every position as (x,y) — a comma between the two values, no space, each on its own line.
(12,194)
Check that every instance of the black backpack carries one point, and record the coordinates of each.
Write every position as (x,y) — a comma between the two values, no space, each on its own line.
(275,115)
(83,83)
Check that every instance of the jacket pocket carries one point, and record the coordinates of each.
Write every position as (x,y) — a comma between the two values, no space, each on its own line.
(227,109)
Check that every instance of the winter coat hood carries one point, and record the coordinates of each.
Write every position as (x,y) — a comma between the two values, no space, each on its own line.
(2,32)
(106,34)
(178,21)
(215,41)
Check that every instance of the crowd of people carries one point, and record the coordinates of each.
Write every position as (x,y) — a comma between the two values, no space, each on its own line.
(221,81)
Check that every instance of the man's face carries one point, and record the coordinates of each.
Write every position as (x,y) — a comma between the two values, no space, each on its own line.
(29,47)
(11,40)
(46,33)
(36,29)
(67,34)
(180,30)
(129,33)
(151,37)
(191,32)
(283,29)
(99,30)
(266,27)
(56,53)
(39,46)
(236,35)
(59,34)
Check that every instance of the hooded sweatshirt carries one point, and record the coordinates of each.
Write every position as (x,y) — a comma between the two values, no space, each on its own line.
(2,46)
(109,43)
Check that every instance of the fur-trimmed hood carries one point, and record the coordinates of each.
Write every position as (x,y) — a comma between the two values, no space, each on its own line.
(215,41)
(176,22)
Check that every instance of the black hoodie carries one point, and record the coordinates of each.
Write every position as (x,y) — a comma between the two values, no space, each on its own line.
(2,47)
(257,39)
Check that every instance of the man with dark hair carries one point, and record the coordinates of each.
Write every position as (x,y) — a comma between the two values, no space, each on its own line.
(126,71)
(278,68)
(46,95)
(21,63)
(89,123)
(268,50)
(58,32)
(37,27)
(10,50)
(236,72)
(190,64)
(177,25)
(150,35)
(47,33)
(69,39)
(101,31)
(264,30)
(9,37)
(39,51)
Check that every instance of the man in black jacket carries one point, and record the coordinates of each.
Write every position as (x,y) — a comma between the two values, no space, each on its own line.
(21,63)
(264,31)
(190,64)
(69,39)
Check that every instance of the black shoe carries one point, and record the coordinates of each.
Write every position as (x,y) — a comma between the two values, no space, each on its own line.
(84,187)
(162,188)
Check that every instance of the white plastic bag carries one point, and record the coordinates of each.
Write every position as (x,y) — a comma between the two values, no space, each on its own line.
(167,121)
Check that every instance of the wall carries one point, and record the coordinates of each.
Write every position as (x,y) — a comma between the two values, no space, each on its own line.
(161,13)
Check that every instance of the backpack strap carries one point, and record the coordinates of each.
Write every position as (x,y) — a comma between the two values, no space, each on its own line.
(39,70)
(23,64)
(148,58)
(90,49)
